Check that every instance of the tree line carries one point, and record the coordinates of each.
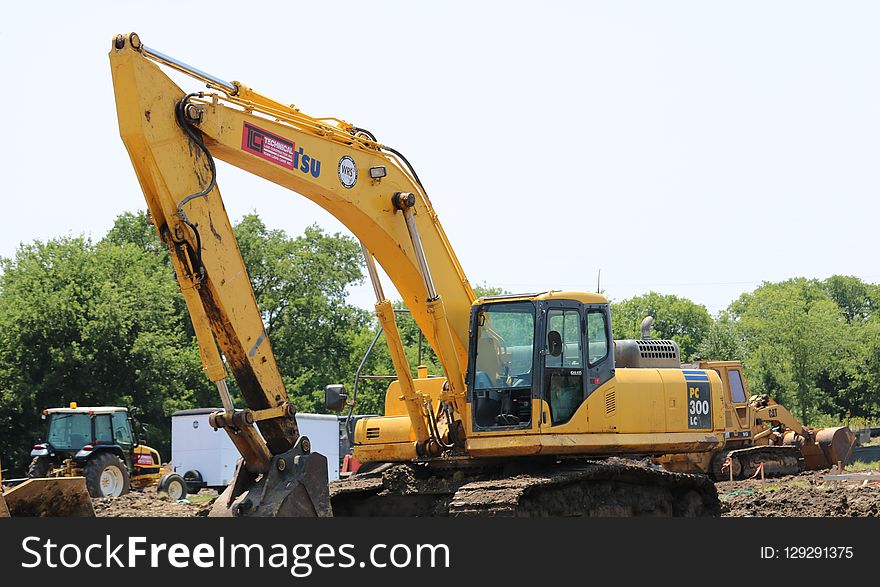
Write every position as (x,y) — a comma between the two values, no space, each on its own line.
(103,323)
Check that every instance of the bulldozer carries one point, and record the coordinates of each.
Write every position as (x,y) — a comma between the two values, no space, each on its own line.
(762,434)
(538,411)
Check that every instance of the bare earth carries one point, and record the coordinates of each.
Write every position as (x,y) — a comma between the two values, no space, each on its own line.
(149,504)
(804,495)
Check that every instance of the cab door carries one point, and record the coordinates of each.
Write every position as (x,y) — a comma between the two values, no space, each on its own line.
(562,360)
(600,358)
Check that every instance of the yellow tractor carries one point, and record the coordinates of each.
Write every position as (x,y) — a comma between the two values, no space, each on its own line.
(101,445)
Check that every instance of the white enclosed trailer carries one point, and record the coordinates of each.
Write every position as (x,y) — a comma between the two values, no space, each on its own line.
(206,457)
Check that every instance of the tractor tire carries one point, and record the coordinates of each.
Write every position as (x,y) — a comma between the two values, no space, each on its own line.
(106,475)
(39,467)
(173,485)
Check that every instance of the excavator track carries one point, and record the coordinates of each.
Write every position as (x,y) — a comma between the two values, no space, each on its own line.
(609,488)
(777,461)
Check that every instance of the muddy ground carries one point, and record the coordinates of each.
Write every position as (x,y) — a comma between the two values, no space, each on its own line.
(149,504)
(806,495)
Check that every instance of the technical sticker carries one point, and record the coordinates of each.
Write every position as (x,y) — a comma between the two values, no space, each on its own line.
(269,146)
(278,150)
(348,172)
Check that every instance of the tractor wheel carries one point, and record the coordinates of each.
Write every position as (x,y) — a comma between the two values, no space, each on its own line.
(172,484)
(39,467)
(106,475)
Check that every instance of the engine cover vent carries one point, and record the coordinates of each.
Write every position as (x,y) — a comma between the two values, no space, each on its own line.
(610,402)
(646,354)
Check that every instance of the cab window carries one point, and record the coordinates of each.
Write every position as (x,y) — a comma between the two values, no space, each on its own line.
(737,392)
(122,430)
(502,383)
(597,337)
(567,323)
(103,431)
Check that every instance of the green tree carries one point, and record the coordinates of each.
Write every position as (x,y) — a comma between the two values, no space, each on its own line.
(301,286)
(675,318)
(93,323)
(791,331)
(856,299)
(722,341)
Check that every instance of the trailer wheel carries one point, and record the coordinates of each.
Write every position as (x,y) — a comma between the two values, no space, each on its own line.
(194,482)
(174,485)
(106,475)
(39,467)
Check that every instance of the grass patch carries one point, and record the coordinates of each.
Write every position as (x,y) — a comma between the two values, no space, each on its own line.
(770,488)
(800,484)
(859,466)
(200,498)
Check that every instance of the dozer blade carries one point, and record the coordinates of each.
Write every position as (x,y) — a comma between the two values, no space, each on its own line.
(50,497)
(837,444)
(294,487)
(832,445)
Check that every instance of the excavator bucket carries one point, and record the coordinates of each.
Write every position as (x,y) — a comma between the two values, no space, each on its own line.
(295,486)
(48,497)
(831,445)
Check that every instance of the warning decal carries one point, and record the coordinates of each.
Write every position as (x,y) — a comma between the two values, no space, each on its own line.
(269,146)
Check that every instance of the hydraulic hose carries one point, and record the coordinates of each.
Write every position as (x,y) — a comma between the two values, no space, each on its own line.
(180,115)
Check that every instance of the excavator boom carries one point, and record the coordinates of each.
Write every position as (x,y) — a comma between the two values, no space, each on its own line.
(172,139)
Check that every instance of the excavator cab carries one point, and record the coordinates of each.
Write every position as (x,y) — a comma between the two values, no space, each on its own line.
(527,350)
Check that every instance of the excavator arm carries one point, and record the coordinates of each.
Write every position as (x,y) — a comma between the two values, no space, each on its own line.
(172,138)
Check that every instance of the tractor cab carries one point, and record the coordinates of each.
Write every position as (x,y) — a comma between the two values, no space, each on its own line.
(77,432)
(100,444)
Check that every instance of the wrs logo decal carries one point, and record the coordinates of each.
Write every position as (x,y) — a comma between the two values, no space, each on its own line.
(278,150)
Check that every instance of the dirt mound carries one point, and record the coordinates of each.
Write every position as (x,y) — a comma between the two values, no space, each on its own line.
(804,495)
(149,504)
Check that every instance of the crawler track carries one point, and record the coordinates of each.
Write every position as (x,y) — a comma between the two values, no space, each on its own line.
(609,488)
(777,461)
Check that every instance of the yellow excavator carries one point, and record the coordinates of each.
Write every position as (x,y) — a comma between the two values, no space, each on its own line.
(534,389)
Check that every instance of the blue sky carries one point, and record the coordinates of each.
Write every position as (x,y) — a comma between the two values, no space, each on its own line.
(694,148)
